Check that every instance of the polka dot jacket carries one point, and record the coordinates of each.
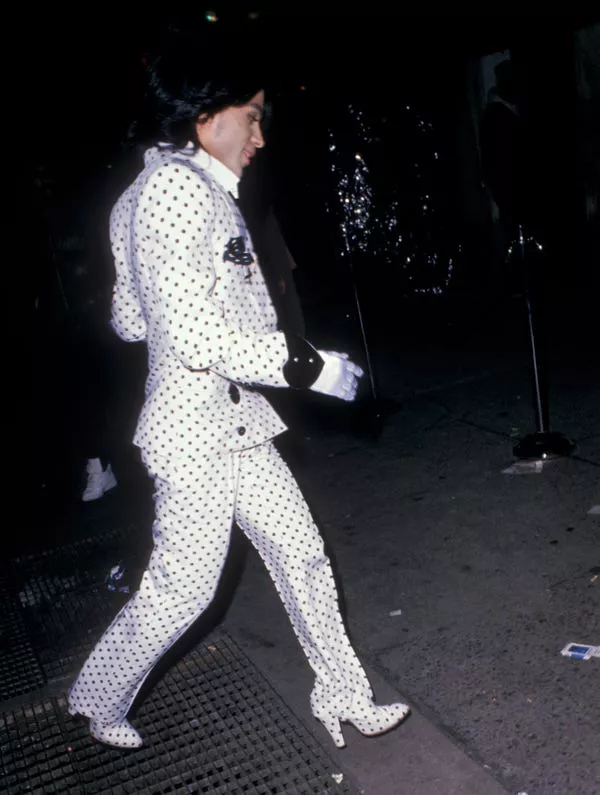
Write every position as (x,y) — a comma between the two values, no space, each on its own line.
(188,282)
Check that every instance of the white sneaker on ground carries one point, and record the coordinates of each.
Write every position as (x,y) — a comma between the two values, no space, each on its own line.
(99,480)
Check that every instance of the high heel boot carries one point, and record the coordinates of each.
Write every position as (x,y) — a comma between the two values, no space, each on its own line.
(368,718)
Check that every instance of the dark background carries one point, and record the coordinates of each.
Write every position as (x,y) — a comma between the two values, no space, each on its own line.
(80,84)
(85,76)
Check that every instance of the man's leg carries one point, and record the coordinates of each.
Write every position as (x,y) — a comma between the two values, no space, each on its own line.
(273,514)
(193,517)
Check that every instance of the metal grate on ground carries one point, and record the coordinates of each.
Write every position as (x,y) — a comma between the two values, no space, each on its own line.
(212,724)
(20,669)
(63,600)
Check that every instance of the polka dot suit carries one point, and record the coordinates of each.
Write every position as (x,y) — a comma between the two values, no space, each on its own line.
(187,282)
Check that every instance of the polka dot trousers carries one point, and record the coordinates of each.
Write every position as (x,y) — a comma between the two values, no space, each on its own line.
(195,506)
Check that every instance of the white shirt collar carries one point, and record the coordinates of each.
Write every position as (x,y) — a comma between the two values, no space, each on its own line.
(224,176)
(219,170)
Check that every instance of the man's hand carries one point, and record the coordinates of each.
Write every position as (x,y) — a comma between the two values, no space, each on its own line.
(339,376)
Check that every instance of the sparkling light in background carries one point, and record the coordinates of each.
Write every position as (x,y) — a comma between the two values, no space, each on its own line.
(393,218)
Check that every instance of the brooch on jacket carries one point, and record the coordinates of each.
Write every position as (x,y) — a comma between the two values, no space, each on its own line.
(236,252)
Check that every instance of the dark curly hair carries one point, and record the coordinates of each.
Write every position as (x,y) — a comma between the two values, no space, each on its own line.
(190,78)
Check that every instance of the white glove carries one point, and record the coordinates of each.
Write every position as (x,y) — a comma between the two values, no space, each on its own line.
(339,376)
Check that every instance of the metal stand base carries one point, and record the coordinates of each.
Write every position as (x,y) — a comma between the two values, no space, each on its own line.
(544,445)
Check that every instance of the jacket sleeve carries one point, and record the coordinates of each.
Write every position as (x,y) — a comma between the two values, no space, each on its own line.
(173,227)
(127,317)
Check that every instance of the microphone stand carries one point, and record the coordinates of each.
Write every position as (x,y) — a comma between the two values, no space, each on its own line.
(543,444)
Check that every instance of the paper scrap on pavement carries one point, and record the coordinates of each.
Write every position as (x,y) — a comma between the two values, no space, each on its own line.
(580,651)
(524,468)
(594,510)
(395,612)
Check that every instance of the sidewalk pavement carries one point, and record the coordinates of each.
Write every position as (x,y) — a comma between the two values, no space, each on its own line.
(461,582)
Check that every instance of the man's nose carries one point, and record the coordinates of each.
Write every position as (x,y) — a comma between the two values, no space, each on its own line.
(258,139)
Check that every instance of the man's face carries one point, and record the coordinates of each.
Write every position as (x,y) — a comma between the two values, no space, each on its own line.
(233,135)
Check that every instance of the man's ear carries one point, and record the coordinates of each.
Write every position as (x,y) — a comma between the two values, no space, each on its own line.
(200,126)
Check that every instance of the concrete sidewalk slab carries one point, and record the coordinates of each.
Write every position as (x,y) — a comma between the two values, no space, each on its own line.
(417,757)
(492,574)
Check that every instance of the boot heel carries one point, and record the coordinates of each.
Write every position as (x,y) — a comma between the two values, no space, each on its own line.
(334,727)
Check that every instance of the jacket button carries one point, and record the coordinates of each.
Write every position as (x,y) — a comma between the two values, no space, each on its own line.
(234,393)
(241,431)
